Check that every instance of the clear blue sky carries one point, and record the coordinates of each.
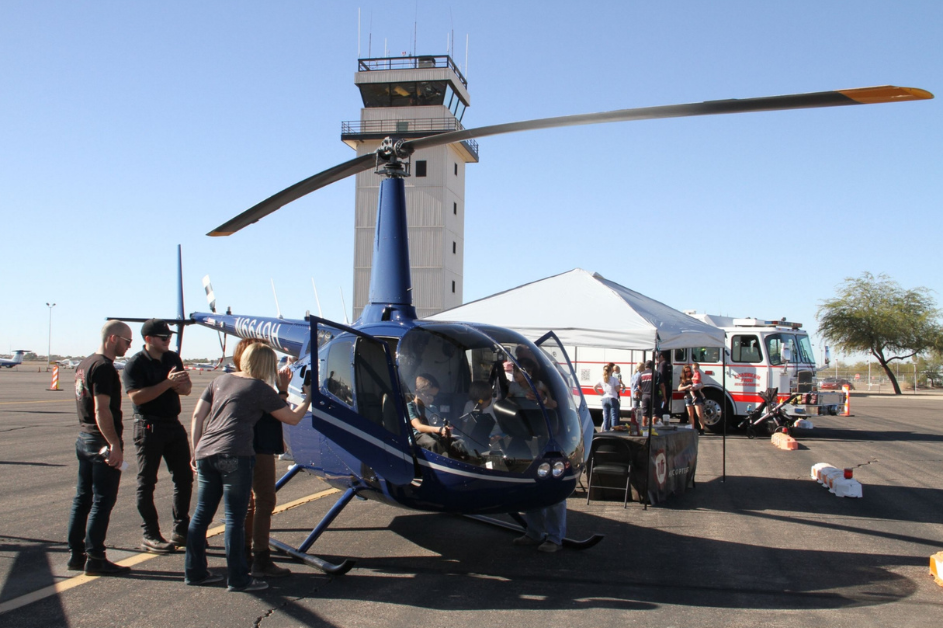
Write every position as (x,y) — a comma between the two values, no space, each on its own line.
(129,127)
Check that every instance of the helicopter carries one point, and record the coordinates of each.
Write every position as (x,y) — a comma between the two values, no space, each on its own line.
(529,450)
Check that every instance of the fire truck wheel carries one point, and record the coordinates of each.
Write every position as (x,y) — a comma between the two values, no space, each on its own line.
(712,410)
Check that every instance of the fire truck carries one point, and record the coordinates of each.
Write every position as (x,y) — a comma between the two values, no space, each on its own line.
(761,354)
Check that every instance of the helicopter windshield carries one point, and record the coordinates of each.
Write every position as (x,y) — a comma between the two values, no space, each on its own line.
(504,402)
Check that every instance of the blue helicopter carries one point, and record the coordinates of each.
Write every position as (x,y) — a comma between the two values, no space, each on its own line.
(520,445)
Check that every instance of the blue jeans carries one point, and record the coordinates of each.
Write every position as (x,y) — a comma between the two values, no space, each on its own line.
(95,495)
(549,523)
(228,478)
(610,413)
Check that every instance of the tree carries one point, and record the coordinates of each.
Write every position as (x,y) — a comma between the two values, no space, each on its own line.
(878,316)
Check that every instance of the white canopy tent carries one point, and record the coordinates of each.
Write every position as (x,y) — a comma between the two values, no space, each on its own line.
(586,309)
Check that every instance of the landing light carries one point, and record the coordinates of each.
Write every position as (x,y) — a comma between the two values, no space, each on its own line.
(558,468)
(543,469)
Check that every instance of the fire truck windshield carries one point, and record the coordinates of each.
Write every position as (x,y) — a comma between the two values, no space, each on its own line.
(805,350)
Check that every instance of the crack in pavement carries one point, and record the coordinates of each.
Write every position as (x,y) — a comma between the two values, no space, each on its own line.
(286,601)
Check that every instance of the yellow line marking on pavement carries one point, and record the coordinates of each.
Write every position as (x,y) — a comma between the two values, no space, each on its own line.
(136,559)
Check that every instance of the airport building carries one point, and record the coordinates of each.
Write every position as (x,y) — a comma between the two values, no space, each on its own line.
(411,97)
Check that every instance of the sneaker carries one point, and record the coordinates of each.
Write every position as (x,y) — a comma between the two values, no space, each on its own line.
(103,567)
(180,540)
(156,544)
(254,585)
(549,547)
(77,561)
(209,578)
(527,540)
(263,567)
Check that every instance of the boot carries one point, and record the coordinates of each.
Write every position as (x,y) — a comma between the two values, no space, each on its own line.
(263,567)
(76,561)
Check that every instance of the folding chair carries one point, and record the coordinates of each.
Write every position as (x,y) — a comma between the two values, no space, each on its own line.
(609,457)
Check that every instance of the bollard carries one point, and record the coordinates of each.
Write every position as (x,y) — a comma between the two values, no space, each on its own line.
(54,385)
(847,410)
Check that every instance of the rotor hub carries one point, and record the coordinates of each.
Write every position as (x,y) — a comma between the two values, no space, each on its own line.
(393,157)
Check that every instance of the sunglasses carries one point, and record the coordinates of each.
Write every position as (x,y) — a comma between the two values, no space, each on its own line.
(127,340)
(162,337)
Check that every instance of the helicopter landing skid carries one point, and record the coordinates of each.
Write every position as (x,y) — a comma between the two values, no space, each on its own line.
(301,553)
(521,526)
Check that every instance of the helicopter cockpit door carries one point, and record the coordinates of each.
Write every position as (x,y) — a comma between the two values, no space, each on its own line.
(551,345)
(358,405)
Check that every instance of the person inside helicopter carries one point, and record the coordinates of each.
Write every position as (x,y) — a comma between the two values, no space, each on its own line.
(428,429)
(521,389)
(478,422)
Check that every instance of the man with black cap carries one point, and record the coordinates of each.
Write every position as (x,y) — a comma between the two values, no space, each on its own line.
(155,379)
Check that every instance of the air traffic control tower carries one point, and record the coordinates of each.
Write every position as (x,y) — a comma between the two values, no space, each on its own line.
(410,97)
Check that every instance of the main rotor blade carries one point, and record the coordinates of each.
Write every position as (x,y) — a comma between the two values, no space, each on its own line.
(859,96)
(266,207)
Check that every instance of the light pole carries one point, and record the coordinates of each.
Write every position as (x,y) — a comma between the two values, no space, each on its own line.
(49,347)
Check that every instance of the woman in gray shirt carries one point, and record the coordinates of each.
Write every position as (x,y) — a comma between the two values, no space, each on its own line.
(223,458)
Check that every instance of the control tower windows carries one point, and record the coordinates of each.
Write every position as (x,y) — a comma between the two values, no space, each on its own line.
(412,94)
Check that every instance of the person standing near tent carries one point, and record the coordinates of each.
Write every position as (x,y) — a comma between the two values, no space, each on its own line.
(633,384)
(609,387)
(665,381)
(648,382)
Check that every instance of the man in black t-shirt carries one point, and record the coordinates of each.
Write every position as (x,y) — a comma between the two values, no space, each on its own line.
(649,382)
(155,379)
(100,453)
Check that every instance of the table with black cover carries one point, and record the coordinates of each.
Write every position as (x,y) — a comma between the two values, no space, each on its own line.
(671,467)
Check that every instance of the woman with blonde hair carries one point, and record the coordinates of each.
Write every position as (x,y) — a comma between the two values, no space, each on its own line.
(223,457)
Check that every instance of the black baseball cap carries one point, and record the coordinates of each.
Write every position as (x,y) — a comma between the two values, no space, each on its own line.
(155,327)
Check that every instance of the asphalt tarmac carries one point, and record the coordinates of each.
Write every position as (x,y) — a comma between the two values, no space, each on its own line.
(767,547)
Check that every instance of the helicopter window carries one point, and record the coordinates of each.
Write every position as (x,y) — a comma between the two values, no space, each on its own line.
(493,424)
(338,380)
(680,355)
(745,349)
(421,168)
(373,386)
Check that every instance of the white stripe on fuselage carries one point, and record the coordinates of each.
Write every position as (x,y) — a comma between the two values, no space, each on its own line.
(400,454)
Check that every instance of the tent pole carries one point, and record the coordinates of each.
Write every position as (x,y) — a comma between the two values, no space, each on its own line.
(723,412)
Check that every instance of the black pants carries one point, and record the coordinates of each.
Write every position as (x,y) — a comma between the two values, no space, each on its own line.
(95,494)
(165,439)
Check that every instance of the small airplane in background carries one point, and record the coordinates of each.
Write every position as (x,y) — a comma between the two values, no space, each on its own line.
(68,364)
(15,360)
